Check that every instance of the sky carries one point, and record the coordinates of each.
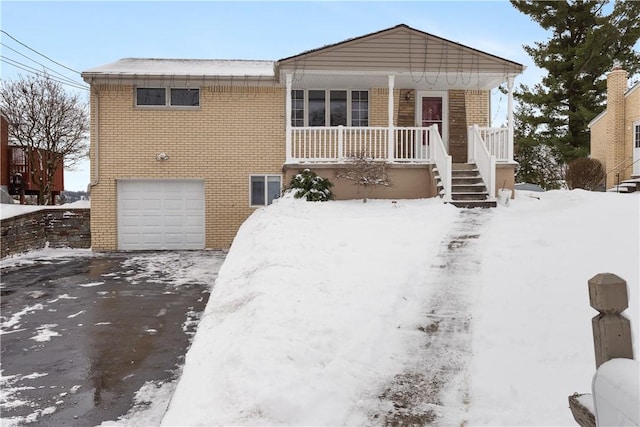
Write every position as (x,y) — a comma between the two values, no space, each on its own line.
(84,34)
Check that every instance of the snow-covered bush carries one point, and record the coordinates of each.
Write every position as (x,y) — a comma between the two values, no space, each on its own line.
(540,164)
(312,187)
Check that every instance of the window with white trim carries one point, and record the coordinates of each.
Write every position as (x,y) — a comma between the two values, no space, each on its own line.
(637,136)
(264,189)
(359,108)
(167,97)
(297,108)
(329,107)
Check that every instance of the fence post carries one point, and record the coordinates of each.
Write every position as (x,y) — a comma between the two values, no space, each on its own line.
(611,335)
(611,330)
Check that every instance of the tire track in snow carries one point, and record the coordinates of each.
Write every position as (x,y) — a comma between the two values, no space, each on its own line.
(435,390)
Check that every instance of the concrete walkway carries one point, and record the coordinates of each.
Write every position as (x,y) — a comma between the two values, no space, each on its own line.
(435,390)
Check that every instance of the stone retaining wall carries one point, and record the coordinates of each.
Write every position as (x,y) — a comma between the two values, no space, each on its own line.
(56,227)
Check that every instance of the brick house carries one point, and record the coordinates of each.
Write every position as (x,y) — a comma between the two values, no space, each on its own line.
(183,151)
(16,169)
(615,133)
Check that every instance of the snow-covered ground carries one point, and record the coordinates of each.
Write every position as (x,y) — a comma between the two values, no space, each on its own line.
(321,307)
(325,313)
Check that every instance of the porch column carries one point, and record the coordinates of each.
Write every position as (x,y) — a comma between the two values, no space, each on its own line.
(392,79)
(287,117)
(510,119)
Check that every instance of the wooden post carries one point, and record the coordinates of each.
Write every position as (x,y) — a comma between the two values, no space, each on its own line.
(611,335)
(611,330)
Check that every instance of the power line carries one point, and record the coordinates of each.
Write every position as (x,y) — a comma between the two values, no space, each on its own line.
(43,55)
(61,76)
(37,72)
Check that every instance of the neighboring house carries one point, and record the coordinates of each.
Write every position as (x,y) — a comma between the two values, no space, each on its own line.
(16,172)
(615,133)
(182,151)
(4,153)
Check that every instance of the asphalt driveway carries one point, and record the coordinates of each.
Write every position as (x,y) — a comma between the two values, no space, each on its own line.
(82,334)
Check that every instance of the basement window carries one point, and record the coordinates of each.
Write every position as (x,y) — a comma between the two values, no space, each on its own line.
(167,97)
(264,189)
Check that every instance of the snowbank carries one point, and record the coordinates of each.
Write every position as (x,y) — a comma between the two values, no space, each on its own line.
(314,307)
(8,211)
(308,313)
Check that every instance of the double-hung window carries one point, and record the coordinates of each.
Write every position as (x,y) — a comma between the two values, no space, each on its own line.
(320,107)
(167,97)
(264,189)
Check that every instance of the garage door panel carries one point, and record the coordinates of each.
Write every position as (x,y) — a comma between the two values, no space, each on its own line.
(161,214)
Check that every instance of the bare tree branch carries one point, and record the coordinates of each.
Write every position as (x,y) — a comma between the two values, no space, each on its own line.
(366,172)
(51,125)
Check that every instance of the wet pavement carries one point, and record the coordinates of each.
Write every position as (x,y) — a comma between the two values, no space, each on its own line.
(82,334)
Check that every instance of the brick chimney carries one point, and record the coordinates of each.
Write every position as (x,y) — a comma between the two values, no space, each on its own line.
(616,88)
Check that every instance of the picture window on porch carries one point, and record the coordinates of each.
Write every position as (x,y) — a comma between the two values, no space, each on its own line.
(359,108)
(264,189)
(167,97)
(344,107)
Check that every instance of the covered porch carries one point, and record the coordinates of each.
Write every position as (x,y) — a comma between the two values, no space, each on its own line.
(400,96)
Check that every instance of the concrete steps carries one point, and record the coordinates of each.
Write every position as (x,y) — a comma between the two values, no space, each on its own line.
(468,190)
(627,186)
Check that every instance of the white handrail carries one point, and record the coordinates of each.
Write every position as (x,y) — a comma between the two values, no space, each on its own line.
(442,159)
(485,161)
(497,142)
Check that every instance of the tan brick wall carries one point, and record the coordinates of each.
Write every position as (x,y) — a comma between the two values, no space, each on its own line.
(236,132)
(477,107)
(632,115)
(457,126)
(616,87)
(379,106)
(612,135)
(598,140)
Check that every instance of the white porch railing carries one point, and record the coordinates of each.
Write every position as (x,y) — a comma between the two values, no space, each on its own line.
(442,160)
(485,161)
(497,143)
(334,144)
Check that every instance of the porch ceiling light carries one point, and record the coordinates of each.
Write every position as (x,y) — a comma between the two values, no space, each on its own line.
(162,156)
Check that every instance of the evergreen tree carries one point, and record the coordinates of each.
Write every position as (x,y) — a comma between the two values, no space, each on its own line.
(583,45)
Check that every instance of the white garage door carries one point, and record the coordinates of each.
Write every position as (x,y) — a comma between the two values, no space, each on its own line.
(160,214)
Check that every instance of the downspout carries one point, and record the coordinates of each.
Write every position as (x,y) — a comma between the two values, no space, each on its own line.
(96,138)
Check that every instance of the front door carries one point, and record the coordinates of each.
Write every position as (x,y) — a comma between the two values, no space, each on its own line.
(636,148)
(432,109)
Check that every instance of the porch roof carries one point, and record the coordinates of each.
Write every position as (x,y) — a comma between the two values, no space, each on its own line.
(418,60)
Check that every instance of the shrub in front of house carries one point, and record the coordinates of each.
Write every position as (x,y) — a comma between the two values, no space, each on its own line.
(312,187)
(585,173)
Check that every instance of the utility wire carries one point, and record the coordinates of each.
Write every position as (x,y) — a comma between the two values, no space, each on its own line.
(43,55)
(37,72)
(60,75)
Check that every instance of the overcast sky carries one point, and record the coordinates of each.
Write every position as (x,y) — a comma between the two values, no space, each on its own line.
(84,34)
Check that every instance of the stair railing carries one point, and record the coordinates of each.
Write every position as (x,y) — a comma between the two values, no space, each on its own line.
(442,159)
(486,163)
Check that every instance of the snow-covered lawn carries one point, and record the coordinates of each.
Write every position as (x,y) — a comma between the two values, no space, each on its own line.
(321,310)
(318,306)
